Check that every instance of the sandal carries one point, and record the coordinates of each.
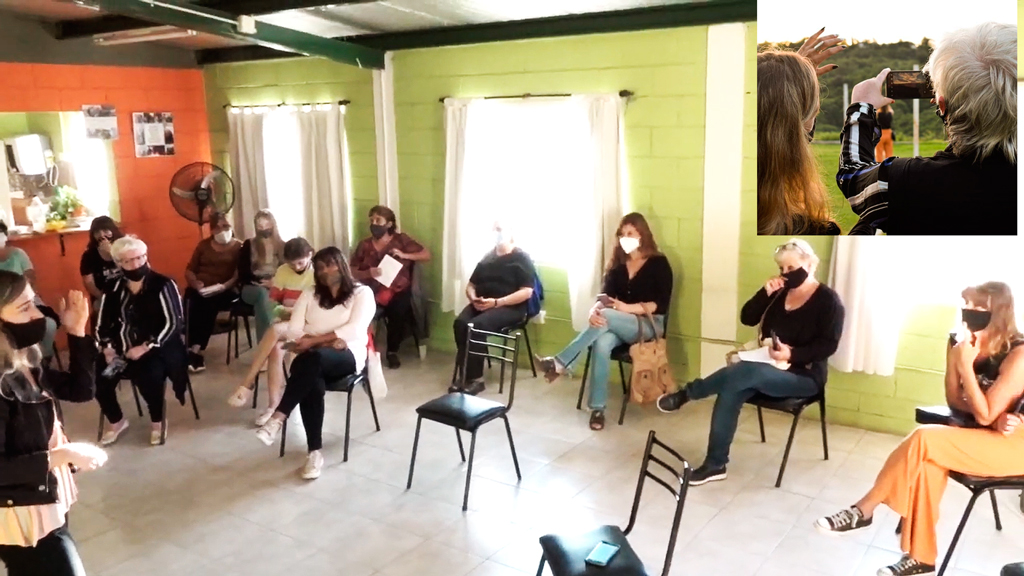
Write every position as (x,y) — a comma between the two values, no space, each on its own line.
(597,420)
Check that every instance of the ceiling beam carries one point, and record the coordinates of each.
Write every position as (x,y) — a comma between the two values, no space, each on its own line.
(201,19)
(669,16)
(87,27)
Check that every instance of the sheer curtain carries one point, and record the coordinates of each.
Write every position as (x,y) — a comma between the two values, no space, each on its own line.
(247,167)
(548,169)
(325,176)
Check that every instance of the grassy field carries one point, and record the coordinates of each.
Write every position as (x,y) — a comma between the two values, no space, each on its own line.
(828,162)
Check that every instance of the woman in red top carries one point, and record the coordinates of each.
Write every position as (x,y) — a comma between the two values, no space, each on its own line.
(396,299)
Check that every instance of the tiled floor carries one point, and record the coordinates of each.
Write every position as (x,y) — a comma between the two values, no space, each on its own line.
(215,501)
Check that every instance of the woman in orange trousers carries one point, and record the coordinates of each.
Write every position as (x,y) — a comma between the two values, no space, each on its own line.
(883,149)
(984,377)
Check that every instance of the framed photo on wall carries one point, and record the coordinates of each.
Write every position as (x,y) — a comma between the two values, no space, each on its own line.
(153,133)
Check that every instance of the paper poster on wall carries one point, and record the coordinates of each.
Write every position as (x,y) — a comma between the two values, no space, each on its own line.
(154,134)
(100,121)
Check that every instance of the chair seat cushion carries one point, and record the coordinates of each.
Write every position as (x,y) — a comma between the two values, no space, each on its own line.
(240,308)
(621,353)
(945,416)
(461,410)
(790,405)
(974,483)
(347,383)
(1015,569)
(566,555)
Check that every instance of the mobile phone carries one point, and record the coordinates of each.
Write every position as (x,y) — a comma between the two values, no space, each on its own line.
(776,345)
(602,554)
(604,299)
(908,84)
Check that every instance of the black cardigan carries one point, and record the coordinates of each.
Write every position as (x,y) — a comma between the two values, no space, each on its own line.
(812,330)
(652,283)
(25,429)
(245,275)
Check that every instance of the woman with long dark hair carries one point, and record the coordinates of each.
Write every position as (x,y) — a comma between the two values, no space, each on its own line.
(329,333)
(637,282)
(98,269)
(37,488)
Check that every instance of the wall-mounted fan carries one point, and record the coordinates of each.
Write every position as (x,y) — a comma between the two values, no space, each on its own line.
(199,189)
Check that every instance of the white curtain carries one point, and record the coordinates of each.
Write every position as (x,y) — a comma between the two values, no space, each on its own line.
(454,275)
(325,176)
(585,270)
(384,123)
(247,169)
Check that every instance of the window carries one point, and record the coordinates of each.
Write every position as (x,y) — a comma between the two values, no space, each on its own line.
(92,162)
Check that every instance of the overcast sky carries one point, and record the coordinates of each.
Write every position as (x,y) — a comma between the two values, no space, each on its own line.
(884,22)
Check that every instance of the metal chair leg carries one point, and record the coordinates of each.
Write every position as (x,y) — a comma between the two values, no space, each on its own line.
(501,373)
(415,443)
(458,437)
(373,406)
(236,335)
(625,393)
(995,510)
(583,381)
(99,432)
(959,530)
(512,445)
(255,390)
(348,425)
(227,353)
(529,351)
(760,423)
(469,470)
(284,436)
(248,331)
(824,434)
(192,397)
(540,569)
(135,393)
(789,445)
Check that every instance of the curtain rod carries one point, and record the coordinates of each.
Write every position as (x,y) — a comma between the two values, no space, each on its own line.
(622,94)
(340,103)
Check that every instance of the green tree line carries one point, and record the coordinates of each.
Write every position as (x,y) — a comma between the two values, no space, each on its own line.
(863,60)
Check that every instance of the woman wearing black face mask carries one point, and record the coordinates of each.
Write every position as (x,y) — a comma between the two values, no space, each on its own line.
(36,486)
(258,261)
(396,300)
(807,319)
(984,378)
(140,322)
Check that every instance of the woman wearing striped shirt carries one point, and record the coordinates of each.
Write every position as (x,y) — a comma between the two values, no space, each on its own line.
(329,334)
(140,322)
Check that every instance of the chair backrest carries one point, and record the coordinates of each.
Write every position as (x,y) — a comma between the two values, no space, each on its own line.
(679,483)
(505,343)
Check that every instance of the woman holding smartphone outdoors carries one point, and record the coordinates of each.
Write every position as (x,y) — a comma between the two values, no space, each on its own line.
(637,282)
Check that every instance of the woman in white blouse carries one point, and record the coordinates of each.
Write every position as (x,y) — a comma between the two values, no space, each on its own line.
(328,333)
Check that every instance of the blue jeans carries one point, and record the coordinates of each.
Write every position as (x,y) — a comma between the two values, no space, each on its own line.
(734,385)
(620,328)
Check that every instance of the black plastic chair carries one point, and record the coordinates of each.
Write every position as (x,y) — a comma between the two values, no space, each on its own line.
(620,355)
(346,385)
(469,413)
(138,406)
(567,554)
(1015,569)
(794,406)
(519,326)
(239,311)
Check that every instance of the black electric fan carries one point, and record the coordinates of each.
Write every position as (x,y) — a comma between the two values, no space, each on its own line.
(199,189)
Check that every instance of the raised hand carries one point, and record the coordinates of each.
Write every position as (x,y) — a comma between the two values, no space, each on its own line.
(74,313)
(818,48)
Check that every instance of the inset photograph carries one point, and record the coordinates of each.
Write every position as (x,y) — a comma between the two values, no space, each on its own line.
(901,123)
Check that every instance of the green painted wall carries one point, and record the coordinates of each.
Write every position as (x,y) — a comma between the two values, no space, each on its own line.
(19,123)
(299,81)
(13,124)
(664,141)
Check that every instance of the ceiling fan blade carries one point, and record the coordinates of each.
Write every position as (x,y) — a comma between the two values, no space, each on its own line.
(183,193)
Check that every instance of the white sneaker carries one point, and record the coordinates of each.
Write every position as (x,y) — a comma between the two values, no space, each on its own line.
(264,417)
(241,397)
(155,437)
(269,431)
(111,435)
(314,462)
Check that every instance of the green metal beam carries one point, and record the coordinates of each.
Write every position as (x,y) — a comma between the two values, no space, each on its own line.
(201,19)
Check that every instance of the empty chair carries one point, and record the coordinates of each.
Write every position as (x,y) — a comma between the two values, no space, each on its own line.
(792,406)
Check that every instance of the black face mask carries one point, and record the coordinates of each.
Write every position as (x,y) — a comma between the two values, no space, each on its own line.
(794,278)
(137,274)
(976,320)
(264,234)
(810,135)
(378,231)
(25,334)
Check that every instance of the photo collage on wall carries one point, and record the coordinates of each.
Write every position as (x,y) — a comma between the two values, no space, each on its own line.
(154,134)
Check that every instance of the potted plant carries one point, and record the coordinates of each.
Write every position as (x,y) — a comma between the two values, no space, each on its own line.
(64,205)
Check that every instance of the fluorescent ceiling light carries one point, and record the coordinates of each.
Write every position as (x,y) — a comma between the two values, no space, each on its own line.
(146,35)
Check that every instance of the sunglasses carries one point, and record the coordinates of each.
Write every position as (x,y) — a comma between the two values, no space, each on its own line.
(794,245)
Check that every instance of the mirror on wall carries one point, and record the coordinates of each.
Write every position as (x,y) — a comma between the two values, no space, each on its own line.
(47,155)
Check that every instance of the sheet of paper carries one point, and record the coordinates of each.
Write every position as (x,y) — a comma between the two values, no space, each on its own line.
(389,269)
(760,355)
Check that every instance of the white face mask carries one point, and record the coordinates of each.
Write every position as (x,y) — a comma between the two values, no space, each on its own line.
(3,240)
(223,237)
(629,245)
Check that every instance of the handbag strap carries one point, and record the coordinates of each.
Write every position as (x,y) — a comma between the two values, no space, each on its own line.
(640,327)
(760,324)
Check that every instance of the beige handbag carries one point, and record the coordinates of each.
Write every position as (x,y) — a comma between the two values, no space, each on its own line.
(652,376)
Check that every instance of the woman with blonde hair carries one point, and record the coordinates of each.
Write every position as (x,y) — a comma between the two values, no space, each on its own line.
(791,197)
(258,261)
(984,378)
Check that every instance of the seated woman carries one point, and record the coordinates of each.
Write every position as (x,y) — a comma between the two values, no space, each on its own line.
(258,260)
(329,333)
(637,281)
(14,259)
(807,317)
(212,276)
(498,291)
(984,377)
(396,299)
(98,269)
(291,280)
(140,323)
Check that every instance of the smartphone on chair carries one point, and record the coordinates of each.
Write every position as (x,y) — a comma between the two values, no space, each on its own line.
(602,554)
(908,84)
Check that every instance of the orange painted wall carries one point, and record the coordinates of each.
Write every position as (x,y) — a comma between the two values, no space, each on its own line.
(142,182)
